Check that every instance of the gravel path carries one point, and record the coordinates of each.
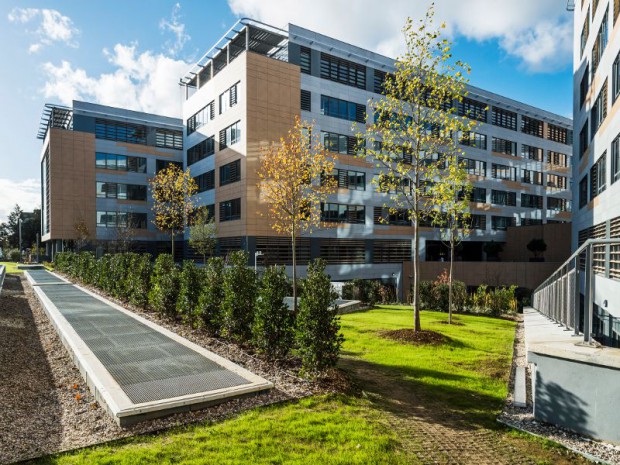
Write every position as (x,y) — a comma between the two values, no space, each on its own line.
(523,418)
(46,407)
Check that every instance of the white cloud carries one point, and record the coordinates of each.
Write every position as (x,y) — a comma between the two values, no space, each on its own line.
(538,33)
(53,27)
(177,28)
(27,194)
(140,81)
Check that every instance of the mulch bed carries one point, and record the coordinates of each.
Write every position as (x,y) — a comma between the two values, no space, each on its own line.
(409,336)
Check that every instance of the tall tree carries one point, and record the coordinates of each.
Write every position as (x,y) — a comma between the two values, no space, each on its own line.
(414,122)
(293,183)
(9,230)
(172,191)
(203,234)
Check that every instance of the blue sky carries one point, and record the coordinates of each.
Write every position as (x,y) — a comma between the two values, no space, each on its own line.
(131,53)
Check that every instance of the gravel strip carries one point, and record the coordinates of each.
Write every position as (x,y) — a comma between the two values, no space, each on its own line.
(523,418)
(47,408)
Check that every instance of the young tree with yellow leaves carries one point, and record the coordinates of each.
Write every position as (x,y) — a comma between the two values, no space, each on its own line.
(413,129)
(293,184)
(172,191)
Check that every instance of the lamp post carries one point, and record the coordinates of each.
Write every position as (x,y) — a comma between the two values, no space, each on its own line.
(19,225)
(257,254)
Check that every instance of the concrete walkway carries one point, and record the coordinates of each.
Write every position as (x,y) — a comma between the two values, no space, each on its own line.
(135,368)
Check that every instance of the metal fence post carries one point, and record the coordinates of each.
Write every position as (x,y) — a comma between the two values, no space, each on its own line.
(576,297)
(589,297)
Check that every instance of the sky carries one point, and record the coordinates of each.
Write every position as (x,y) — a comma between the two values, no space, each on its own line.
(131,54)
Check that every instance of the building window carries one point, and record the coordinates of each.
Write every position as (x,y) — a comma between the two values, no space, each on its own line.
(599,44)
(584,86)
(113,219)
(230,135)
(532,126)
(501,223)
(504,118)
(231,172)
(338,143)
(306,100)
(478,222)
(615,159)
(559,134)
(478,194)
(558,205)
(557,158)
(599,110)
(583,191)
(305,60)
(339,213)
(349,179)
(531,201)
(343,71)
(583,139)
(508,199)
(531,153)
(598,176)
(343,109)
(503,146)
(205,181)
(473,139)
(230,210)
(472,109)
(532,177)
(585,31)
(530,221)
(201,117)
(120,131)
(556,182)
(163,164)
(379,81)
(228,98)
(169,139)
(201,150)
(504,172)
(393,217)
(110,161)
(475,167)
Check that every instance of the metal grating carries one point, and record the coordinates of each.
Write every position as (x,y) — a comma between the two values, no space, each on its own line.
(44,277)
(147,364)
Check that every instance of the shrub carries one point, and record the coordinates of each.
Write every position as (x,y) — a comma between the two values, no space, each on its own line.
(164,286)
(61,262)
(139,279)
(274,322)
(14,255)
(318,325)
(441,294)
(86,266)
(427,301)
(480,300)
(190,279)
(212,295)
(365,290)
(239,295)
(503,300)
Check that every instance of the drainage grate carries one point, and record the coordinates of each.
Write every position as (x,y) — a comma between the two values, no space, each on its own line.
(44,277)
(147,364)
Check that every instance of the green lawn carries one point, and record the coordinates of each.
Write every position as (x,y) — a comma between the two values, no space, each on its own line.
(11,267)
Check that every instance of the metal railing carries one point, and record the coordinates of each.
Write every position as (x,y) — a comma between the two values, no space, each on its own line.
(559,296)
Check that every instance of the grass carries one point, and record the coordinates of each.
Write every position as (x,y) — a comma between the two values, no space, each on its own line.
(11,267)
(459,386)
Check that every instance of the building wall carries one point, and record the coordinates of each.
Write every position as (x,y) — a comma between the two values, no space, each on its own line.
(555,235)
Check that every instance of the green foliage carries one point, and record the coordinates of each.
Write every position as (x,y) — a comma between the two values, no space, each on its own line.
(318,325)
(435,295)
(274,322)
(139,279)
(86,267)
(164,286)
(494,302)
(203,234)
(368,291)
(537,246)
(212,295)
(14,255)
(240,286)
(190,288)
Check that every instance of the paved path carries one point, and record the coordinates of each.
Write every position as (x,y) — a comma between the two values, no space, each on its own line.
(136,368)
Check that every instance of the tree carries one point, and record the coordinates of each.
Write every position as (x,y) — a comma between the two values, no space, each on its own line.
(9,230)
(124,232)
(537,246)
(293,182)
(414,122)
(453,195)
(172,189)
(82,233)
(203,234)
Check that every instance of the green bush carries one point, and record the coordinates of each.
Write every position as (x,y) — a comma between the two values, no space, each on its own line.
(239,296)
(274,323)
(139,279)
(318,325)
(427,300)
(13,255)
(441,294)
(503,300)
(366,290)
(86,267)
(190,279)
(164,286)
(212,295)
(61,262)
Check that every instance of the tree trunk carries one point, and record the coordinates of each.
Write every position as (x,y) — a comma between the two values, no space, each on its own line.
(204,258)
(416,278)
(450,280)
(294,273)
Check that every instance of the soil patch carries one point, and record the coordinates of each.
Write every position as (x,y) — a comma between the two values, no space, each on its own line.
(409,336)
(454,323)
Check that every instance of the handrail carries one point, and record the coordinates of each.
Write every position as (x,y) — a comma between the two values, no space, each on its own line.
(2,275)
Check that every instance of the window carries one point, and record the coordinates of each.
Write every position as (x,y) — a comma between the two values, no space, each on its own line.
(393,217)
(599,110)
(530,221)
(343,71)
(598,177)
(201,118)
(478,194)
(112,219)
(306,100)
(348,179)
(169,139)
(110,161)
(305,60)
(508,199)
(558,205)
(556,182)
(599,44)
(475,167)
(583,139)
(120,131)
(478,222)
(343,250)
(338,143)
(201,150)
(501,223)
(557,158)
(531,153)
(615,159)
(531,201)
(205,181)
(379,81)
(228,98)
(473,109)
(230,173)
(532,177)
(503,146)
(584,86)
(503,172)
(559,134)
(504,118)
(163,164)
(230,135)
(474,139)
(615,76)
(339,213)
(343,109)
(583,191)
(230,210)
(585,31)
(532,126)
